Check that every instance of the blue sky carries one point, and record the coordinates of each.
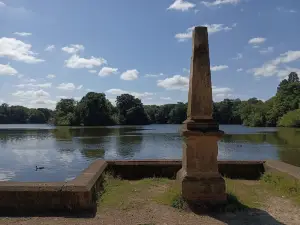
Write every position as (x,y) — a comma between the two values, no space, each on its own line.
(50,49)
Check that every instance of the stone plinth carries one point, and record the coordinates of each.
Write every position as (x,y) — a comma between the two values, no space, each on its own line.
(200,178)
(199,175)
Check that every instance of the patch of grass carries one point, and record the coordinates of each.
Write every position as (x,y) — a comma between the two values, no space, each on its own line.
(248,193)
(126,194)
(282,184)
(171,196)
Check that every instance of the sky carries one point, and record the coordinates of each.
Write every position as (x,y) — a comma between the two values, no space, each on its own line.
(64,49)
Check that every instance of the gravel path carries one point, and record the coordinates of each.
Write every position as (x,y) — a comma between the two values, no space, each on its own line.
(279,211)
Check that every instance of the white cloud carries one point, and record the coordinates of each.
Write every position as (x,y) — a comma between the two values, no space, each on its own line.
(17,50)
(267,50)
(62,97)
(89,90)
(181,5)
(218,68)
(211,29)
(176,82)
(238,56)
(272,67)
(130,75)
(92,71)
(257,40)
(6,175)
(220,2)
(239,70)
(154,75)
(31,94)
(31,85)
(107,71)
(165,98)
(50,48)
(75,62)
(66,86)
(51,76)
(43,102)
(6,69)
(72,49)
(136,94)
(23,34)
(2,4)
(281,9)
(79,87)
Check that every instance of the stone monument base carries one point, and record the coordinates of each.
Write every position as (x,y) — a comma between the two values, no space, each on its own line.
(199,189)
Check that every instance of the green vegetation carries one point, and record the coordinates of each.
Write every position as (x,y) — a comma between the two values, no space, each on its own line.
(94,109)
(242,194)
(291,119)
(20,114)
(282,185)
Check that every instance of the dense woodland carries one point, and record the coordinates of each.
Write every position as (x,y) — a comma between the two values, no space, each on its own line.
(94,109)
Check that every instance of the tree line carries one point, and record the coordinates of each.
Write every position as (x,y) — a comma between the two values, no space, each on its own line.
(94,109)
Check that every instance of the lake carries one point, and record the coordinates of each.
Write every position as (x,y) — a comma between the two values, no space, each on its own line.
(66,151)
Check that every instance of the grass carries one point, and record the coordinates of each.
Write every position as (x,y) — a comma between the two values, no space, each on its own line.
(282,185)
(242,194)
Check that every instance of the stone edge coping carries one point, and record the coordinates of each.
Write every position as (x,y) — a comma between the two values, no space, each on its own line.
(273,165)
(86,180)
(173,162)
(82,183)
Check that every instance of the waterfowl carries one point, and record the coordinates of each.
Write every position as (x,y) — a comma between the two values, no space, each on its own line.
(39,168)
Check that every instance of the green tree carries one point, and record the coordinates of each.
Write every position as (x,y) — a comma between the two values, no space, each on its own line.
(36,116)
(131,110)
(178,114)
(94,110)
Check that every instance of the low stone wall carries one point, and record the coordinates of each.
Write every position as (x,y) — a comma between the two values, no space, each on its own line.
(78,195)
(81,194)
(138,169)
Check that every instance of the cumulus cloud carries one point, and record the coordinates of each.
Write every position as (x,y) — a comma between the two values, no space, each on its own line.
(51,76)
(181,5)
(136,94)
(218,68)
(17,50)
(257,40)
(75,62)
(72,49)
(31,85)
(23,34)
(79,87)
(239,70)
(2,4)
(43,102)
(130,75)
(50,48)
(92,71)
(277,67)
(31,94)
(211,29)
(6,69)
(107,71)
(238,56)
(220,2)
(165,98)
(66,86)
(154,75)
(266,50)
(176,82)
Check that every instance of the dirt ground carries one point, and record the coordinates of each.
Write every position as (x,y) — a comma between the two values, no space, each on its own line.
(146,202)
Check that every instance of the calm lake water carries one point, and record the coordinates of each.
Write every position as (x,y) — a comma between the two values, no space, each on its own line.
(65,151)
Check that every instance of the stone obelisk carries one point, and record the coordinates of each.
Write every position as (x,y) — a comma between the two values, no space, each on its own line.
(199,176)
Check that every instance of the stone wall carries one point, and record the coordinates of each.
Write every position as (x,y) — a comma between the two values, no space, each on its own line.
(81,194)
(137,169)
(78,195)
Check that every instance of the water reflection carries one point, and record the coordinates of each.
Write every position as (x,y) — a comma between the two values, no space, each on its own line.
(65,151)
